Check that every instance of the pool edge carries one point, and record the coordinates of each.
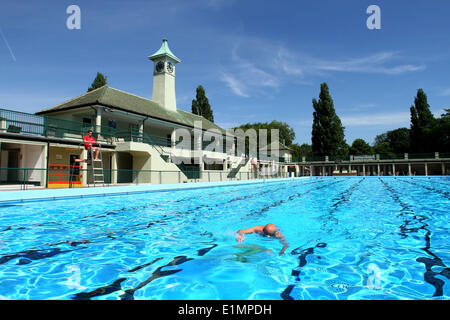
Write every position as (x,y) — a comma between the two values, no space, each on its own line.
(58,194)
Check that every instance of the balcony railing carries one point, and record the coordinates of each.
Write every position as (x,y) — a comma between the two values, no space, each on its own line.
(46,126)
(137,136)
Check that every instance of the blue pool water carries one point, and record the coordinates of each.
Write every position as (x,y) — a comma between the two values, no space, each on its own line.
(349,238)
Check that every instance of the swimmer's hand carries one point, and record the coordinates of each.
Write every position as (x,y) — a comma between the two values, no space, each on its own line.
(239,237)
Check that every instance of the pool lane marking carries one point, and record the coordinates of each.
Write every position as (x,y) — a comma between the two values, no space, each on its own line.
(431,189)
(158,273)
(29,256)
(340,199)
(285,295)
(105,290)
(429,275)
(290,198)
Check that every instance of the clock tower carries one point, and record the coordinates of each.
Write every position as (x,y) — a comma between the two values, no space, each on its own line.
(164,77)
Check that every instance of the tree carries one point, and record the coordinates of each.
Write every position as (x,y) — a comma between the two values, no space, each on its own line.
(422,121)
(360,147)
(327,130)
(200,106)
(382,148)
(299,151)
(439,137)
(99,81)
(286,134)
(398,140)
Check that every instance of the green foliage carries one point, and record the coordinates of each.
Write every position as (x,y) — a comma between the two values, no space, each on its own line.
(398,140)
(422,122)
(299,151)
(327,130)
(201,106)
(99,81)
(439,135)
(285,133)
(360,147)
(382,148)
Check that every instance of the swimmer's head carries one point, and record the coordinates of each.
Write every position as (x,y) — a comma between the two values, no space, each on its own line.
(269,230)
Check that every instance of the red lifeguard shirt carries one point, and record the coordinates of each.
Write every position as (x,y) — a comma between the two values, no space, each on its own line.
(88,140)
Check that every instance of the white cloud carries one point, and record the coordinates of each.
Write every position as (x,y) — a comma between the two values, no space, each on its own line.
(375,63)
(273,64)
(235,85)
(380,119)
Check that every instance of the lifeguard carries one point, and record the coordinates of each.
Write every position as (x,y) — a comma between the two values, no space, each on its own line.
(89,142)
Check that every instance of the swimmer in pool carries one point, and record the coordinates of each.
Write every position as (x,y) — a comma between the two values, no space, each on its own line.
(269,230)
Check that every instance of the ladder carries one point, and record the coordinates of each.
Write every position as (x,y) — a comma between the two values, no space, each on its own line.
(98,176)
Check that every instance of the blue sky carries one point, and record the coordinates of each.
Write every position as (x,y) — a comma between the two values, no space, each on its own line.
(258,60)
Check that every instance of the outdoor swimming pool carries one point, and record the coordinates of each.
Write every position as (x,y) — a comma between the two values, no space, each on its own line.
(350,238)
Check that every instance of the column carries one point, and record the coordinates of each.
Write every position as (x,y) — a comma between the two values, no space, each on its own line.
(45,165)
(364,169)
(443,168)
(84,170)
(393,169)
(323,171)
(311,169)
(426,169)
(114,168)
(378,169)
(98,121)
(409,169)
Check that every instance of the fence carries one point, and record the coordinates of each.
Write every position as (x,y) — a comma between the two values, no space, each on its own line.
(74,176)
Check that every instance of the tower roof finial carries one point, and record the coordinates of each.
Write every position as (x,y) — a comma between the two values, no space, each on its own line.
(164,51)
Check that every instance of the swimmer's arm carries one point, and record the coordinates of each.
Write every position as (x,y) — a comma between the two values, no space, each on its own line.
(240,233)
(283,242)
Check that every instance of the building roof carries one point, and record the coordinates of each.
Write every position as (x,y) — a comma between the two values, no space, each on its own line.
(164,51)
(117,99)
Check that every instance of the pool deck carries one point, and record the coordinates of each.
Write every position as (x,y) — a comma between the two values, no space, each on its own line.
(56,194)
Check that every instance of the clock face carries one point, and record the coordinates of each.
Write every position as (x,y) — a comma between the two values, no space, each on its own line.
(169,67)
(159,66)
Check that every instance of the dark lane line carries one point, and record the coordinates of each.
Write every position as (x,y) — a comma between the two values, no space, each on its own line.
(291,197)
(342,197)
(431,189)
(158,273)
(29,256)
(411,219)
(115,286)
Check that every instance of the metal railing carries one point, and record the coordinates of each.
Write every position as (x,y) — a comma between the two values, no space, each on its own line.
(377,157)
(75,176)
(46,126)
(138,136)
